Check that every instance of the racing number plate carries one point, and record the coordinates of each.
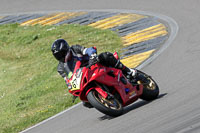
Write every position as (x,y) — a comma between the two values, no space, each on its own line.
(76,81)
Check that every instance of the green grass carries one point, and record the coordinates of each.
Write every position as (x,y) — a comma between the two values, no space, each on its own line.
(31,90)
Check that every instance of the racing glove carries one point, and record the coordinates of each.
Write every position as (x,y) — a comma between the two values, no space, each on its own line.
(90,51)
(69,86)
(65,79)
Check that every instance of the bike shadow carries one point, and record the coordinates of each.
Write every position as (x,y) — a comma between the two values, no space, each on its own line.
(132,107)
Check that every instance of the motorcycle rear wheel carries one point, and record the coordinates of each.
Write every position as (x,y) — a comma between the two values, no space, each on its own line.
(150,90)
(111,107)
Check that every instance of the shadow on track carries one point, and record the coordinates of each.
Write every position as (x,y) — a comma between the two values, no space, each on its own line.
(131,107)
(140,104)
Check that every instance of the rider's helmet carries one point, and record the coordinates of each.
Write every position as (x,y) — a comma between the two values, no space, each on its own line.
(59,49)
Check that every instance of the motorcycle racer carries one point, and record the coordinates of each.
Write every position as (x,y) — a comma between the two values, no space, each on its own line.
(140,84)
(67,57)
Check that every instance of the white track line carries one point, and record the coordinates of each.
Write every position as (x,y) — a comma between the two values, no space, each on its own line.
(50,118)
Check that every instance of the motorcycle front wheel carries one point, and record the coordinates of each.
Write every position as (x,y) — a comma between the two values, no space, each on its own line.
(111,107)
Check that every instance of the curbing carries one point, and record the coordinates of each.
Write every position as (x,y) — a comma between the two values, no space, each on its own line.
(140,32)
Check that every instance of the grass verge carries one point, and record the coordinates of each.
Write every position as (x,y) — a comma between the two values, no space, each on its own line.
(30,88)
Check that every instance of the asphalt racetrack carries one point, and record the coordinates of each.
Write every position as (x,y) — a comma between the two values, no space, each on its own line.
(177,110)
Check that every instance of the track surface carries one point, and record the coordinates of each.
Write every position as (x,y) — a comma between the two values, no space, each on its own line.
(176,70)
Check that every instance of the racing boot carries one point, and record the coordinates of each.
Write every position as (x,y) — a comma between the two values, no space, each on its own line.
(132,74)
(128,72)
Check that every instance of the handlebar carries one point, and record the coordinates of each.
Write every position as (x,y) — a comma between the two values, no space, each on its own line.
(92,61)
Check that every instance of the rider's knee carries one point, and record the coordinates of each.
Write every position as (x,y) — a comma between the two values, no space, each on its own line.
(108,59)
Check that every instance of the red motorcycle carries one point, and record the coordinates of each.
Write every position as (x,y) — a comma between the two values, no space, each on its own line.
(107,89)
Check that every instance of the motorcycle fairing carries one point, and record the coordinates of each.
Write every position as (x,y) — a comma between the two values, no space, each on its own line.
(99,74)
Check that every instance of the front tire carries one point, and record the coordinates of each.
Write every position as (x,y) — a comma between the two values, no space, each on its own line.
(111,107)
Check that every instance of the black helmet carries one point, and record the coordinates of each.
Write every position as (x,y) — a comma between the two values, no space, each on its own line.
(59,49)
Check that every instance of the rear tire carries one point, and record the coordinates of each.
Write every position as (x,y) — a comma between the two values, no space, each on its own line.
(110,107)
(150,90)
